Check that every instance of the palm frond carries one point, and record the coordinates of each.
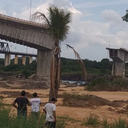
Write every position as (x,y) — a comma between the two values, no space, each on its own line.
(57,20)
(81,61)
(40,16)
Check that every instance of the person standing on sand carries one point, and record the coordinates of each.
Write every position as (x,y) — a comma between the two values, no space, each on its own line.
(22,103)
(35,105)
(50,111)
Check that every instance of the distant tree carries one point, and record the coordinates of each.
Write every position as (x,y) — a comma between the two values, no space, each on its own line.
(105,63)
(125,17)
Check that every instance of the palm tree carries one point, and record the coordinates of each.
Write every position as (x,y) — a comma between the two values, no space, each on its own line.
(58,23)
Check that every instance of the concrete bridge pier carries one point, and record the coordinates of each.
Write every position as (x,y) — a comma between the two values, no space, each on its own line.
(30,59)
(118,69)
(7,59)
(16,59)
(23,60)
(119,56)
(44,58)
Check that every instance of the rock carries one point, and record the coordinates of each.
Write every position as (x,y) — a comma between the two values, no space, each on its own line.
(32,76)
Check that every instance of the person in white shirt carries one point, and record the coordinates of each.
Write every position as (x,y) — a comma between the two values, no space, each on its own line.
(35,105)
(50,111)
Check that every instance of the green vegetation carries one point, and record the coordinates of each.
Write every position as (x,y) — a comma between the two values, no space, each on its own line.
(70,68)
(8,120)
(93,67)
(26,73)
(105,124)
(15,69)
(92,120)
(66,118)
(2,104)
(107,83)
(75,96)
(120,123)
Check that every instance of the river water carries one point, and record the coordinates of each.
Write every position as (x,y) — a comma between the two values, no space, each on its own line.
(72,82)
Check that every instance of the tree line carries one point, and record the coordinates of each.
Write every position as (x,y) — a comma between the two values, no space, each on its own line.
(70,68)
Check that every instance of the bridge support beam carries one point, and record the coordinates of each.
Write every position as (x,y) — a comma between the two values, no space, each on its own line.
(7,59)
(30,59)
(44,59)
(16,59)
(23,60)
(118,69)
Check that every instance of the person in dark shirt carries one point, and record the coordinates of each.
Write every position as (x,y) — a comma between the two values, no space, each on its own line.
(22,103)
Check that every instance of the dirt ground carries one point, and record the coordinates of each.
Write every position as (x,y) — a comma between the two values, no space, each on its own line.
(103,112)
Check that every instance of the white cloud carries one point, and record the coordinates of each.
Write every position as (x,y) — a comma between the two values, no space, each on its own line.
(96,36)
(119,37)
(2,11)
(62,3)
(112,16)
(100,3)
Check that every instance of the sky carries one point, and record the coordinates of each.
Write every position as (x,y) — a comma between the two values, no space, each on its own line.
(96,24)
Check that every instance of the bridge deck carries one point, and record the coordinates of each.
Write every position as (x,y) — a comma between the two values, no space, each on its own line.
(18,53)
(25,32)
(26,22)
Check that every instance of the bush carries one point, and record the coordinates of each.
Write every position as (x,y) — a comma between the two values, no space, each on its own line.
(120,123)
(92,120)
(12,67)
(26,73)
(107,83)
(97,83)
(105,124)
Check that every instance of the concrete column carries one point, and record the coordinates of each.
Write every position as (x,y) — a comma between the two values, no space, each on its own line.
(23,60)
(30,59)
(7,59)
(118,69)
(16,59)
(44,59)
(36,59)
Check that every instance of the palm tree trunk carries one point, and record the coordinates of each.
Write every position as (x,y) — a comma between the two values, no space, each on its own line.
(57,77)
(52,76)
(55,72)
